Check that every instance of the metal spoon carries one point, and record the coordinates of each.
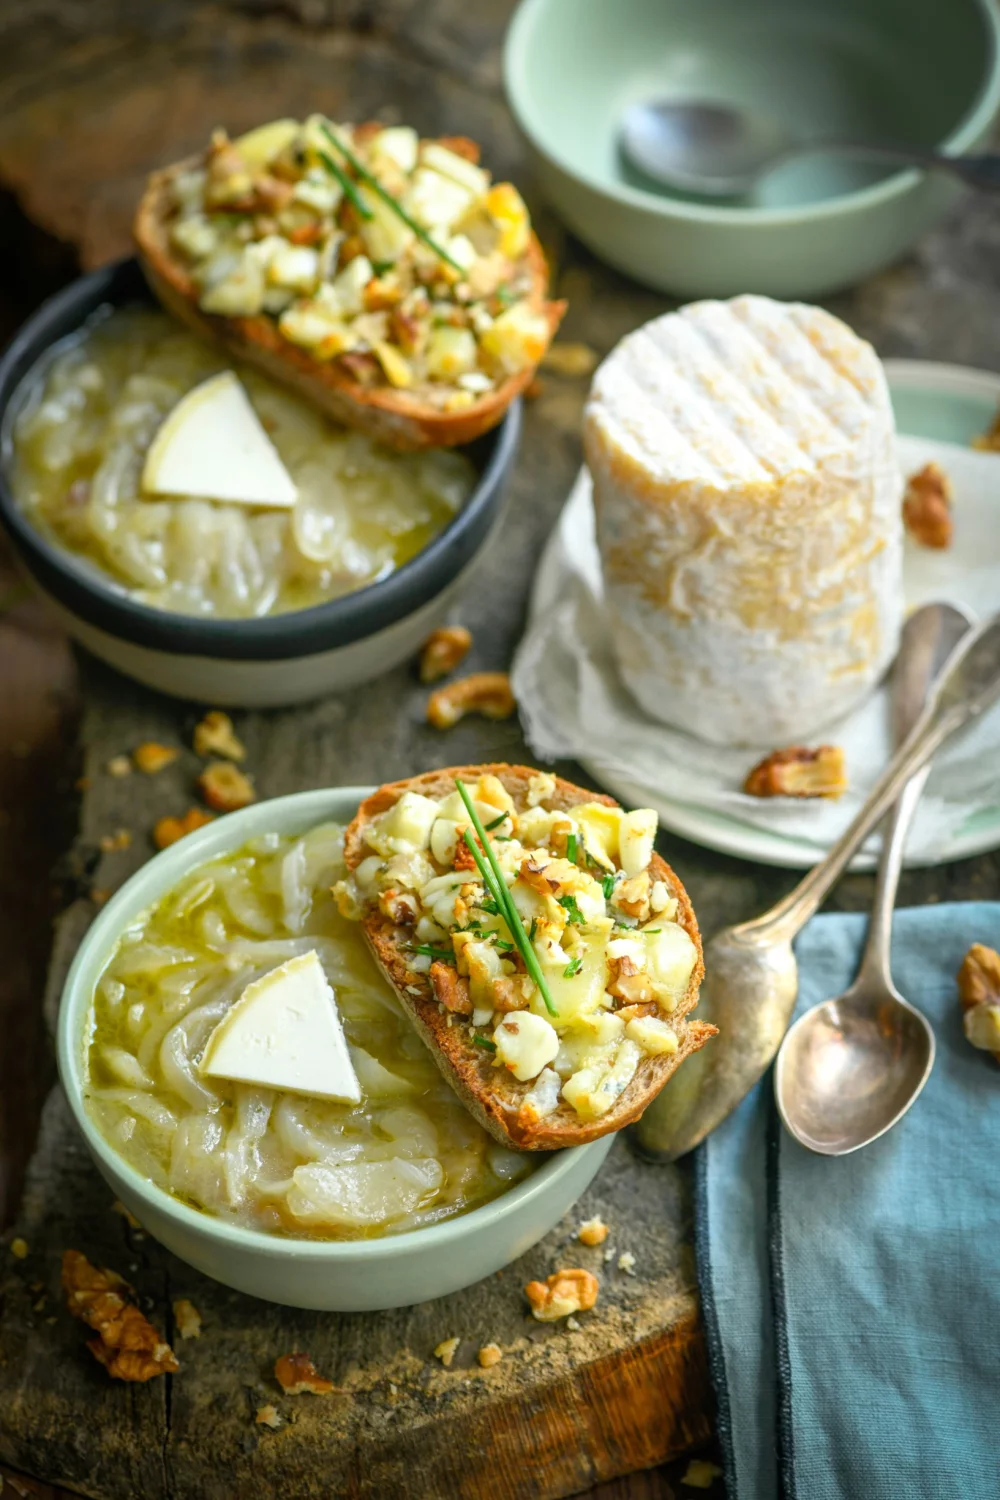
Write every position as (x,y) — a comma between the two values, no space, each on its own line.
(852,1066)
(721,151)
(751,977)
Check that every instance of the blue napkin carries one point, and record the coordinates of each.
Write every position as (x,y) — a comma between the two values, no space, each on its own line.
(853,1304)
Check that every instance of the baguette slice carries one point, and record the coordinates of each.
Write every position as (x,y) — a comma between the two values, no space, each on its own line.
(400,419)
(491,1094)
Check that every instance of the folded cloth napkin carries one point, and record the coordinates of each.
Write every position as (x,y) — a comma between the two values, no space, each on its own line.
(852,1304)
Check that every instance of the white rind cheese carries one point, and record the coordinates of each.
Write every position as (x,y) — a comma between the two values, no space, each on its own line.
(748,517)
(284,1033)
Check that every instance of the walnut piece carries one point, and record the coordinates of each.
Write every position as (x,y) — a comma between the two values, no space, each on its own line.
(215,735)
(443,651)
(927,507)
(490,1355)
(151,757)
(298,1376)
(565,1292)
(187,1319)
(486,693)
(979,992)
(565,358)
(168,830)
(450,989)
(224,788)
(446,1350)
(799,772)
(127,1344)
(592,1232)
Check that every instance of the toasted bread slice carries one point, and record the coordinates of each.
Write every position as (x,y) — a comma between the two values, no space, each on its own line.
(492,1094)
(399,418)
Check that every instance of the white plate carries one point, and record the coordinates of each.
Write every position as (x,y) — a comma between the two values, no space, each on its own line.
(944,402)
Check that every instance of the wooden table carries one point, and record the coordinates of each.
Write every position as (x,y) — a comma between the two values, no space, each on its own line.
(91,97)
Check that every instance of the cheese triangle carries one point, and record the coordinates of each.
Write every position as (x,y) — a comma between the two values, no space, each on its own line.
(284,1033)
(212,445)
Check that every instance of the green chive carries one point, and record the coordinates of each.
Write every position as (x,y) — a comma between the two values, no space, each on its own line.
(608,887)
(572,910)
(430,950)
(573,967)
(484,1041)
(497,886)
(571,848)
(350,191)
(496,823)
(534,929)
(387,198)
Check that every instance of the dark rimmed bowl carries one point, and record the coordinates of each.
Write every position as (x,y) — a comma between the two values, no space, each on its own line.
(261,663)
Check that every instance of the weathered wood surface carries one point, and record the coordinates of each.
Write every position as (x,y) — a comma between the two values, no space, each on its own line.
(92,94)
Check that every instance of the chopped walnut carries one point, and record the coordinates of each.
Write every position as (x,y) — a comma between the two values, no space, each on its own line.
(19,1248)
(700,1474)
(111,842)
(593,1232)
(168,830)
(298,1376)
(224,788)
(151,757)
(447,1350)
(268,1416)
(989,441)
(187,1319)
(629,982)
(565,358)
(799,772)
(490,1355)
(486,693)
(632,896)
(979,992)
(127,1344)
(400,907)
(564,1292)
(215,735)
(443,651)
(119,765)
(927,507)
(450,989)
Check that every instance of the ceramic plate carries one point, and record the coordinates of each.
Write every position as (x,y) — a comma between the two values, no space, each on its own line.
(944,402)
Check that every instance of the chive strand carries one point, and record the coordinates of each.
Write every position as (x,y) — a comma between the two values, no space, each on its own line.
(350,191)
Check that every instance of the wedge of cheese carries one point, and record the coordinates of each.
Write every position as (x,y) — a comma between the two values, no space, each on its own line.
(212,445)
(748,518)
(284,1033)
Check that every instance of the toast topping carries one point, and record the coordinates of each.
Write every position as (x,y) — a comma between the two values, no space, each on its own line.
(606,963)
(366,244)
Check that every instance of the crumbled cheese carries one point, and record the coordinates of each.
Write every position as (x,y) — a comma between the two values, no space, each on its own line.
(626,1263)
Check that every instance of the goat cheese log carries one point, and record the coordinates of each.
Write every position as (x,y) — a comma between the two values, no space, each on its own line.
(748,512)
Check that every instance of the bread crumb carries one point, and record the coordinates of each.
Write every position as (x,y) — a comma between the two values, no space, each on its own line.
(19,1248)
(118,1207)
(490,1355)
(298,1376)
(593,1232)
(626,1263)
(119,765)
(187,1319)
(225,788)
(268,1416)
(215,735)
(446,1351)
(700,1474)
(151,757)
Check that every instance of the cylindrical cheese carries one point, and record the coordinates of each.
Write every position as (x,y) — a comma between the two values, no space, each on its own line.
(747,499)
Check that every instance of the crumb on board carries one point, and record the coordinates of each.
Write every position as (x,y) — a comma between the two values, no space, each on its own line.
(19,1248)
(119,765)
(573,1325)
(442,652)
(701,1474)
(100,894)
(268,1416)
(111,842)
(151,757)
(118,1207)
(215,735)
(127,1344)
(568,1291)
(168,830)
(298,1376)
(626,1263)
(798,771)
(490,1355)
(225,788)
(593,1232)
(187,1319)
(446,1350)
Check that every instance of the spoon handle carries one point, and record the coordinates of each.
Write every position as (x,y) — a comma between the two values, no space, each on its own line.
(981,171)
(969,684)
(875,959)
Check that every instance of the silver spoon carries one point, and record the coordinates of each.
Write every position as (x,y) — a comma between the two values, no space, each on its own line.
(721,151)
(852,1066)
(751,978)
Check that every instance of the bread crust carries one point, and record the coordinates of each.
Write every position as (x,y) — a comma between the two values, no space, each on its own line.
(491,1094)
(400,419)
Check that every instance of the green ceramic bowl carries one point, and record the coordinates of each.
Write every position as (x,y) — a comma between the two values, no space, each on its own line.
(925,71)
(351,1276)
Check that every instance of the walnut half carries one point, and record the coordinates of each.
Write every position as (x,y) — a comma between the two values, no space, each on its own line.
(979,992)
(564,1292)
(127,1344)
(486,693)
(799,772)
(927,507)
(443,651)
